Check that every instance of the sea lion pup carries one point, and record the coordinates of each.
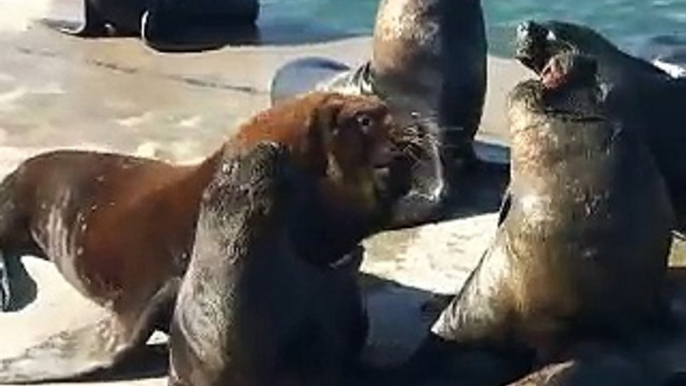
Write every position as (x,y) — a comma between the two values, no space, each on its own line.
(250,310)
(428,59)
(120,229)
(586,213)
(155,21)
(640,95)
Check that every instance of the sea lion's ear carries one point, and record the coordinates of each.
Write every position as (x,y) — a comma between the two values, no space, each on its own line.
(329,113)
(321,124)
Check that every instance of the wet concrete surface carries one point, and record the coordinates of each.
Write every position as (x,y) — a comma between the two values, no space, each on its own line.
(116,93)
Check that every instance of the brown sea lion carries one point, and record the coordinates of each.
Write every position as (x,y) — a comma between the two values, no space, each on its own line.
(251,310)
(587,213)
(158,21)
(428,58)
(120,229)
(640,95)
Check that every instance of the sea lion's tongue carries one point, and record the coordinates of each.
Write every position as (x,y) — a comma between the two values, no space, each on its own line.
(553,75)
(571,69)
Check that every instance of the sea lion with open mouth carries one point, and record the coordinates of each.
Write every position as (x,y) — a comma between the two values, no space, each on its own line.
(642,96)
(584,232)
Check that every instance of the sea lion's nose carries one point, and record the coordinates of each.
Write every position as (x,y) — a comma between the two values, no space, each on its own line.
(523,29)
(528,29)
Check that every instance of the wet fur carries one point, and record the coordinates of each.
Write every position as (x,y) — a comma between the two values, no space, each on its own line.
(570,238)
(641,96)
(251,311)
(120,228)
(428,62)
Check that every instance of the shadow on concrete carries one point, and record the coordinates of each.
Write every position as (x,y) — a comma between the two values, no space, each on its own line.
(477,191)
(150,361)
(431,362)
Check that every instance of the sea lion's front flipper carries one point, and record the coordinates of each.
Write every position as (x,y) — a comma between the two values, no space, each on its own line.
(5,294)
(93,25)
(351,261)
(477,316)
(465,341)
(82,351)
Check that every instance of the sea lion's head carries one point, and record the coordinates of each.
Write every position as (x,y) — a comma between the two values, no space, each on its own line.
(351,145)
(537,43)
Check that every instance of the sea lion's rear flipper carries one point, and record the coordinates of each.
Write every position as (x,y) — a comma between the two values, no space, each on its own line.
(304,75)
(93,25)
(505,206)
(97,346)
(17,287)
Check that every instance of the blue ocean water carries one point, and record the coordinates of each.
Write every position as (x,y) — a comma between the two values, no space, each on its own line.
(639,26)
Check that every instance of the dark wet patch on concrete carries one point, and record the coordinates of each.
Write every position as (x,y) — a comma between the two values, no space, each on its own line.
(119,68)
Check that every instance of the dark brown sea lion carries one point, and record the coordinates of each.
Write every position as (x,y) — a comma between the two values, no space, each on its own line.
(251,310)
(157,21)
(120,229)
(640,95)
(587,213)
(428,58)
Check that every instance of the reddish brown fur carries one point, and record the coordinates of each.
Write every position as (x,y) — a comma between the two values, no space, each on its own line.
(140,214)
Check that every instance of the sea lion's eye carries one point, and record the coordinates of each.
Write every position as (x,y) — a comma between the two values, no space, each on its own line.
(364,121)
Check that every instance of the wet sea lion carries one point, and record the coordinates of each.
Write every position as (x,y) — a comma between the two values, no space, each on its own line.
(429,59)
(159,20)
(587,212)
(250,310)
(640,95)
(120,228)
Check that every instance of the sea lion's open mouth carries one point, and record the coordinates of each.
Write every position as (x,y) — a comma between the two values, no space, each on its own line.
(392,172)
(567,88)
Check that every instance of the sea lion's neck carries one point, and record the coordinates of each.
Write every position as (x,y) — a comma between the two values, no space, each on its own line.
(182,200)
(199,175)
(576,102)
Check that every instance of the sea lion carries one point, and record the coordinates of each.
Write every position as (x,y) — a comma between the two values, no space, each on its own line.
(120,228)
(159,20)
(570,236)
(250,310)
(429,59)
(642,96)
